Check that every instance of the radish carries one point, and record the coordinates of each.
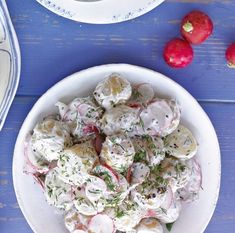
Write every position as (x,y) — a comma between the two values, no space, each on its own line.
(90,129)
(161,117)
(123,184)
(109,176)
(176,172)
(40,179)
(190,192)
(111,169)
(196,27)
(101,223)
(178,53)
(155,149)
(75,222)
(170,215)
(150,213)
(230,55)
(81,115)
(85,207)
(95,188)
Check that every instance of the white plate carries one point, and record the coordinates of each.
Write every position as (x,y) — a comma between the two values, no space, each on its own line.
(9,62)
(100,11)
(194,217)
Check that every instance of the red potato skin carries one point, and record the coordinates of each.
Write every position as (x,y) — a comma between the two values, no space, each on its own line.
(98,141)
(196,27)
(230,55)
(129,175)
(178,53)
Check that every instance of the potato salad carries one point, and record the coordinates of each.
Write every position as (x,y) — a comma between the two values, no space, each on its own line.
(119,160)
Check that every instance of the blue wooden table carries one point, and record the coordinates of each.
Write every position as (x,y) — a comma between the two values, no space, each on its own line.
(53,47)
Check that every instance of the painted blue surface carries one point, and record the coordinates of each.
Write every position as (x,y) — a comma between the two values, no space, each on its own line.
(9,46)
(53,47)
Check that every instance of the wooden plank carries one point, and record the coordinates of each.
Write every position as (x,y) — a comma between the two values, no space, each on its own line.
(222,116)
(54,47)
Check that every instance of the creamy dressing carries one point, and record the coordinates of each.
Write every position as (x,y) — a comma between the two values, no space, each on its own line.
(81,115)
(49,139)
(120,119)
(181,143)
(118,152)
(112,91)
(142,94)
(117,161)
(161,117)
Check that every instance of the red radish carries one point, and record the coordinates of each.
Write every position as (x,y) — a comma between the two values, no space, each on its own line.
(31,161)
(123,184)
(101,223)
(178,53)
(111,169)
(230,55)
(95,188)
(40,179)
(150,213)
(196,27)
(89,129)
(103,171)
(134,105)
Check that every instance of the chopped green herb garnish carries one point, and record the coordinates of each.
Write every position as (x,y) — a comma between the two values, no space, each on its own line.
(136,94)
(169,226)
(140,156)
(141,123)
(120,213)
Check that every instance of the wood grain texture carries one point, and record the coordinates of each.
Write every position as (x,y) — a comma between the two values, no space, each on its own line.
(222,116)
(53,47)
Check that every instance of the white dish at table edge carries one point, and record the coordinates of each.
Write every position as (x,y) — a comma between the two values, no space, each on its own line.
(100,11)
(194,217)
(10,62)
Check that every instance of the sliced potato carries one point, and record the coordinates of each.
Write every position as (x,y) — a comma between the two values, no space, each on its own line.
(149,225)
(181,143)
(113,90)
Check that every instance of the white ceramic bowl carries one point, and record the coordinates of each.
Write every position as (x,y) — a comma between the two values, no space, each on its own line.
(194,218)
